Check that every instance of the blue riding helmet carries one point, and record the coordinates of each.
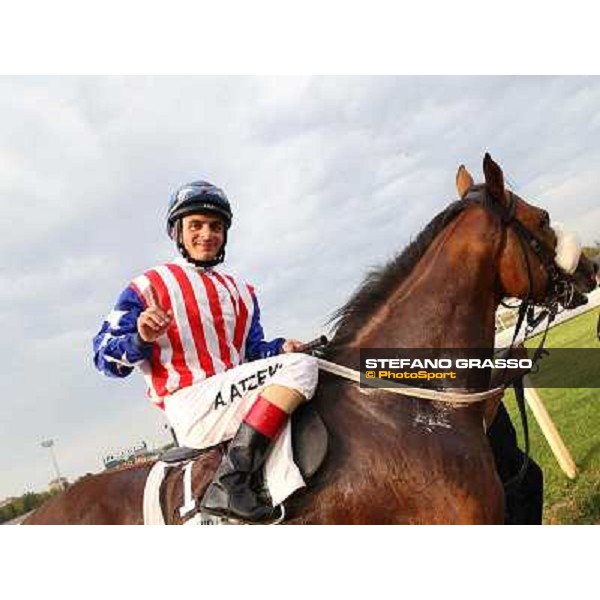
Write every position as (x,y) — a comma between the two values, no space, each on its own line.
(197,197)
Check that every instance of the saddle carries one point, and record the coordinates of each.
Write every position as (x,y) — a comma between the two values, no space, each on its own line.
(309,442)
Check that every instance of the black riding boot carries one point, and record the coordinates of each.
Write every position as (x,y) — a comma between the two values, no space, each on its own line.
(230,493)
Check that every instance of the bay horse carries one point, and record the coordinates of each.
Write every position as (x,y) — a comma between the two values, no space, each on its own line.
(394,459)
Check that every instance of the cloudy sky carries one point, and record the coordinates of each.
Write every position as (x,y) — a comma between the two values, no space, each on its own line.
(327,177)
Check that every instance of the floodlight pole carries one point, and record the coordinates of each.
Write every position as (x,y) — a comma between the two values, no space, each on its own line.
(50,444)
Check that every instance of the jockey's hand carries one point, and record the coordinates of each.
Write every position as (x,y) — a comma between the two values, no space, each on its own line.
(153,323)
(292,346)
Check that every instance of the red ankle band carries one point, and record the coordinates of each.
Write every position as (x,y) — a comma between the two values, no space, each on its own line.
(266,418)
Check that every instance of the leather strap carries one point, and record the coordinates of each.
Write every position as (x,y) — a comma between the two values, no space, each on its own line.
(461,397)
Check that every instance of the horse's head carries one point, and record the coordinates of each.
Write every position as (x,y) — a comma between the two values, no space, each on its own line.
(537,259)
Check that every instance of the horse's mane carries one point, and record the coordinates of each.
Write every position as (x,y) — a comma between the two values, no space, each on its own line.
(379,282)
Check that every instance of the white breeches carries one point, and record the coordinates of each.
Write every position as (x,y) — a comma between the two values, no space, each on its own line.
(210,412)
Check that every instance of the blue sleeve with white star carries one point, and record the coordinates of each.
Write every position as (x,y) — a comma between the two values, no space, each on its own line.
(256,345)
(118,347)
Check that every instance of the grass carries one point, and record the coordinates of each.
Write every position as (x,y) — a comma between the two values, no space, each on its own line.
(576,413)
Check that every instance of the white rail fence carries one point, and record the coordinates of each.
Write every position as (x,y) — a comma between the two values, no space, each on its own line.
(505,320)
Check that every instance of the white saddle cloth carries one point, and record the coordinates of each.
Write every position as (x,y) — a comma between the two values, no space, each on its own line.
(282,478)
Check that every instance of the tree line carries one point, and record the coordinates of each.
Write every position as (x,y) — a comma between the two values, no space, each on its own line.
(23,504)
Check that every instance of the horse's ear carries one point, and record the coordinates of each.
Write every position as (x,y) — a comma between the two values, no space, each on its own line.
(464,181)
(494,178)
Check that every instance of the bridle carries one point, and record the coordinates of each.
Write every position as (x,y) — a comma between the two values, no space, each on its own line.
(560,290)
(560,287)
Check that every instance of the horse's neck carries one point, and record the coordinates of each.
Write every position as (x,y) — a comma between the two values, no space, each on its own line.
(448,301)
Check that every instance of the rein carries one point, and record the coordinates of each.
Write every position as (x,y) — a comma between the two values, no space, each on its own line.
(407,390)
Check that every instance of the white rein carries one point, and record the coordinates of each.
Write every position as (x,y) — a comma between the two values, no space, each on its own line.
(407,390)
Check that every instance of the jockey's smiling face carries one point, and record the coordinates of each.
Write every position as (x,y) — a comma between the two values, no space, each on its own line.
(202,235)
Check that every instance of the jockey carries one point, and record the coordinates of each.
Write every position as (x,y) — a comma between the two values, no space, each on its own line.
(196,335)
